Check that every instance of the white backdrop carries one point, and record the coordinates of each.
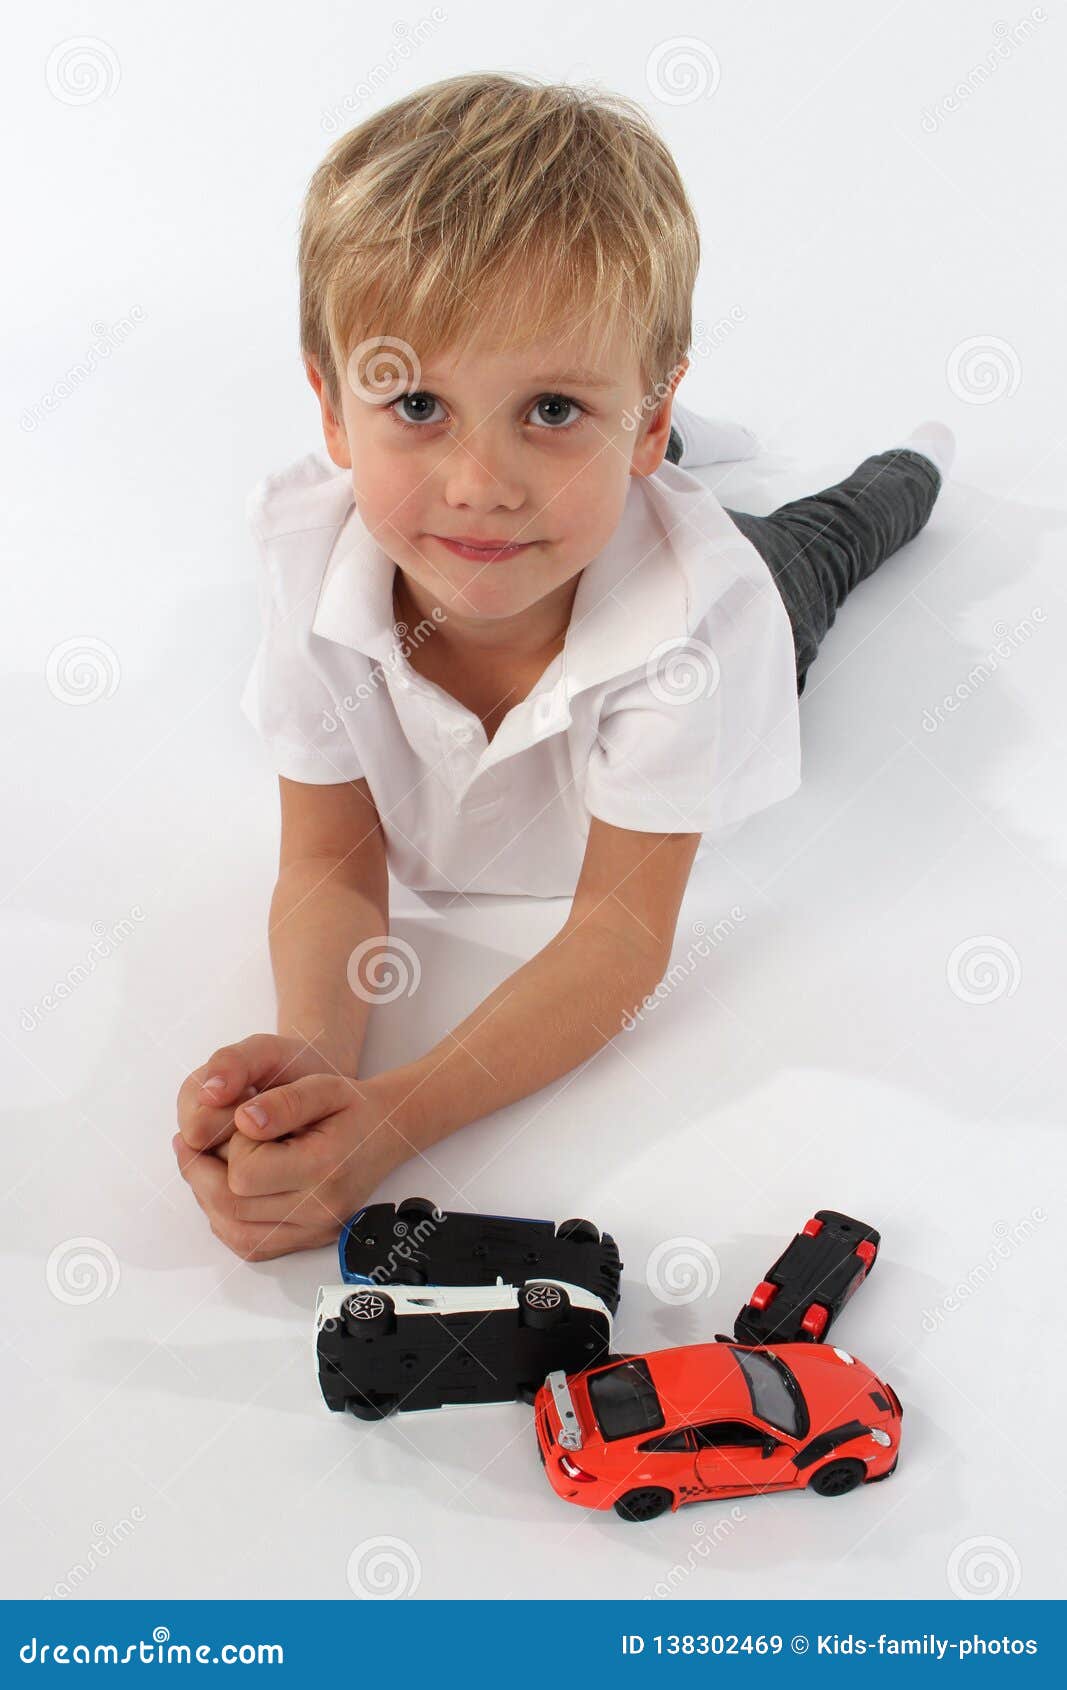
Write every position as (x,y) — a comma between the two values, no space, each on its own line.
(880,197)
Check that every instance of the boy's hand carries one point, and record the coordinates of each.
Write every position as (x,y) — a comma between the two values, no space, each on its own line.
(293,1180)
(205,1112)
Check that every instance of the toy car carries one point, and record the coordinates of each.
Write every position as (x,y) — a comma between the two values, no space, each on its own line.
(430,1346)
(418,1244)
(810,1283)
(645,1433)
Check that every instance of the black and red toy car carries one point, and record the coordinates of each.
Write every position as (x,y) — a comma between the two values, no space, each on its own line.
(810,1283)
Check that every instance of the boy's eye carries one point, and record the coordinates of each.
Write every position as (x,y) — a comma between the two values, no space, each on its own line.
(420,403)
(551,406)
(415,410)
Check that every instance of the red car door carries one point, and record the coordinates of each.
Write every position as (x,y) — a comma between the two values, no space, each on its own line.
(664,1460)
(740,1455)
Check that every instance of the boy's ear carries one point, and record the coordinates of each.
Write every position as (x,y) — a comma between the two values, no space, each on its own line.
(333,427)
(653,442)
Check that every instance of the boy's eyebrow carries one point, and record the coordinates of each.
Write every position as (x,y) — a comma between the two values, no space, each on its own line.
(556,378)
(577,378)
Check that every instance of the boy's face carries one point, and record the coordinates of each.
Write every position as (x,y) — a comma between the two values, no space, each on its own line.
(530,447)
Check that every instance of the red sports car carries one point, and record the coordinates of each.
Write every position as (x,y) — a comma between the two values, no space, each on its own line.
(648,1432)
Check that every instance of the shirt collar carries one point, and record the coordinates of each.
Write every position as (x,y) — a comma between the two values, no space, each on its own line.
(631,598)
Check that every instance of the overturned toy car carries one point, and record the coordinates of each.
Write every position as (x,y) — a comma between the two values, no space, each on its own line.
(380,1350)
(417,1243)
(810,1283)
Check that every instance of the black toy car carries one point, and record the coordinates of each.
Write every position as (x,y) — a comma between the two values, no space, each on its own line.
(810,1283)
(418,1244)
(430,1346)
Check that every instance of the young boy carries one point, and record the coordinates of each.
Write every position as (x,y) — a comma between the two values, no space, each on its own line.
(511,644)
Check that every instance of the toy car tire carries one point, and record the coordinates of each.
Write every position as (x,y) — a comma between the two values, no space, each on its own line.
(542,1305)
(407,1273)
(527,1394)
(646,1503)
(836,1478)
(415,1206)
(370,1407)
(579,1232)
(367,1314)
(815,1322)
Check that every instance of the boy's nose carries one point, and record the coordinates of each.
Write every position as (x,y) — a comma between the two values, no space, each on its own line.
(479,475)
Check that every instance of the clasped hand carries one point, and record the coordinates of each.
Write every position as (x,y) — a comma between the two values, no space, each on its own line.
(277,1153)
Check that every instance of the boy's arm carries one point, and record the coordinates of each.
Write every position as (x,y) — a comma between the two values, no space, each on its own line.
(563,1005)
(332,892)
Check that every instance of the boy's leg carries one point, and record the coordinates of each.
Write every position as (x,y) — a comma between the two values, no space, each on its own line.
(819,548)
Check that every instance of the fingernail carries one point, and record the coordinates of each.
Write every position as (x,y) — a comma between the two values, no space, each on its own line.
(255,1113)
(217,1083)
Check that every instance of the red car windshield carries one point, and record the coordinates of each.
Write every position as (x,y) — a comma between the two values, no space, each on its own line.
(776,1395)
(624,1400)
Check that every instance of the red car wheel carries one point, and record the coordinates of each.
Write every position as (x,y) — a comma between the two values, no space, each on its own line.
(815,1322)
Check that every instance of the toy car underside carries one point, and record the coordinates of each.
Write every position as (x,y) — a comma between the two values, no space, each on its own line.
(377,1353)
(810,1283)
(418,1244)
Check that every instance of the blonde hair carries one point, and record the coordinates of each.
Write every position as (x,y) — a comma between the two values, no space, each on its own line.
(422,224)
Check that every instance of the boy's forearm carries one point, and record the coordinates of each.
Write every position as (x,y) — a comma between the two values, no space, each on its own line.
(317,918)
(553,1013)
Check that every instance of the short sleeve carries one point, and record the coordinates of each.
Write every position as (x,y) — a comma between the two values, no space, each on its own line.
(284,697)
(707,736)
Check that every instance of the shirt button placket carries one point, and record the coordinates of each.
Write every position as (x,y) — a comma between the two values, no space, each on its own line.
(461,736)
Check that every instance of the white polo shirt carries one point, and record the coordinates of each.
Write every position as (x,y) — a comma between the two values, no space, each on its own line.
(672,707)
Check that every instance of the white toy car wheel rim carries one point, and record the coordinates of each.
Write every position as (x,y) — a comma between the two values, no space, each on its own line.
(366,1307)
(543,1297)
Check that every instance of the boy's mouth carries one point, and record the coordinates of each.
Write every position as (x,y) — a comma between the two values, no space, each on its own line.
(484,551)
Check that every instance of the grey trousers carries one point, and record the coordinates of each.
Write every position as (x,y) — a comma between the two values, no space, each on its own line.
(820,547)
